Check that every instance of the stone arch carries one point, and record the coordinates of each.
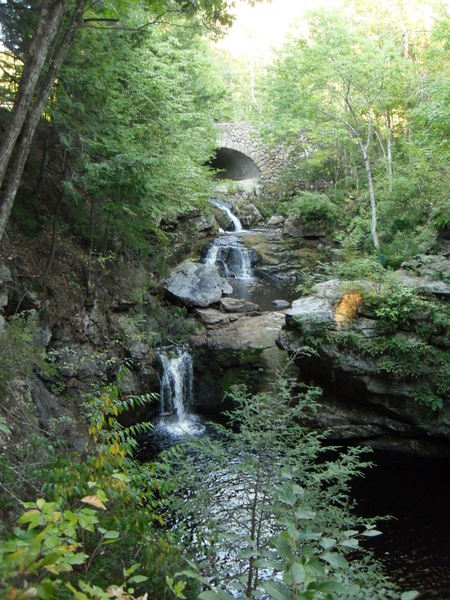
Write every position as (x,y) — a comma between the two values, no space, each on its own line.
(234,164)
(243,138)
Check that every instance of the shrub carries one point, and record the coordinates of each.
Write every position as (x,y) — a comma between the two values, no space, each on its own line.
(316,211)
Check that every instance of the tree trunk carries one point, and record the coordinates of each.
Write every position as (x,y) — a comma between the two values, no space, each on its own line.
(23,145)
(51,258)
(50,18)
(373,202)
(389,149)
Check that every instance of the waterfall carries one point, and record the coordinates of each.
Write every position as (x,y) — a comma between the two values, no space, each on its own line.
(227,252)
(225,208)
(176,394)
(176,381)
(212,254)
(231,257)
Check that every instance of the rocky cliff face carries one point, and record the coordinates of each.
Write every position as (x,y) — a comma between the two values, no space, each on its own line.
(386,385)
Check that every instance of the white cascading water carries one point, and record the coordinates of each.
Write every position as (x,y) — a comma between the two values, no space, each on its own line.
(227,210)
(176,394)
(227,251)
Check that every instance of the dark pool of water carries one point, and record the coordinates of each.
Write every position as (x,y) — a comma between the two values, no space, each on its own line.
(415,545)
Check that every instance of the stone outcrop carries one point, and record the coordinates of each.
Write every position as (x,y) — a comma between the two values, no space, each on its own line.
(374,404)
(196,284)
(240,351)
(276,221)
(429,272)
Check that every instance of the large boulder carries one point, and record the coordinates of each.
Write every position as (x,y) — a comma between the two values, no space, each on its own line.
(248,214)
(239,305)
(276,221)
(242,351)
(196,284)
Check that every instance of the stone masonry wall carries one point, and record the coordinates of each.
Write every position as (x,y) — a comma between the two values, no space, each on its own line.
(244,138)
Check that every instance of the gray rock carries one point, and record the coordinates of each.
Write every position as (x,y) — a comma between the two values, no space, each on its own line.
(3,297)
(204,223)
(196,284)
(330,290)
(238,305)
(249,215)
(211,316)
(2,324)
(439,288)
(281,303)
(312,309)
(276,221)
(5,273)
(292,227)
(430,272)
(137,349)
(356,377)
(46,404)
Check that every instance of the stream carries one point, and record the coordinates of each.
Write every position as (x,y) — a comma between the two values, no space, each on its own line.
(235,262)
(415,492)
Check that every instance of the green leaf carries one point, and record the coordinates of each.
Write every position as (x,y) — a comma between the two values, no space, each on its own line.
(191,574)
(217,595)
(334,559)
(371,532)
(121,477)
(302,513)
(295,574)
(328,586)
(4,428)
(410,595)
(287,496)
(283,544)
(277,591)
(32,517)
(137,579)
(350,543)
(327,543)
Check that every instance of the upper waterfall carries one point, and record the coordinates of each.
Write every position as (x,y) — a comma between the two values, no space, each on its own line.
(225,207)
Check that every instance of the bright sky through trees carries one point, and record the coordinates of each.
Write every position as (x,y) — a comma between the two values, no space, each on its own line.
(258,29)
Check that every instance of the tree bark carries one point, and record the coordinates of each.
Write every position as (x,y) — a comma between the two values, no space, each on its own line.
(389,148)
(22,149)
(373,203)
(50,18)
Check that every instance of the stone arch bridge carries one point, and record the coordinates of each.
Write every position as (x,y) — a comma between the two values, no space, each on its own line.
(241,154)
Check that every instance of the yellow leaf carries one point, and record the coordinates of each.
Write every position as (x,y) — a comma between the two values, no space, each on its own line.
(94,501)
(116,412)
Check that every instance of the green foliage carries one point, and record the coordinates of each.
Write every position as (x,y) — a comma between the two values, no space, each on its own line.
(66,544)
(20,347)
(351,83)
(46,553)
(136,161)
(160,324)
(314,209)
(412,344)
(273,504)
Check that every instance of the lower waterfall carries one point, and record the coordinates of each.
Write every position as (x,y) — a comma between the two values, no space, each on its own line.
(176,391)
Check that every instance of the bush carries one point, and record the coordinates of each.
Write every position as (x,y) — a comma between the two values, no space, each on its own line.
(267,503)
(316,211)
